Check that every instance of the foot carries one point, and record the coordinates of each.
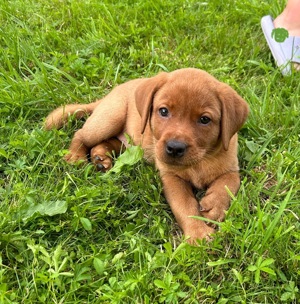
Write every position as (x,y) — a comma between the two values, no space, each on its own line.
(101,158)
(293,27)
(101,155)
(204,232)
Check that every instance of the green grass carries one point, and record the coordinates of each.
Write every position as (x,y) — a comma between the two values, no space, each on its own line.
(71,235)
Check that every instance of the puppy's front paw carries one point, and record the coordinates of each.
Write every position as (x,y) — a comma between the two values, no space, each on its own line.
(100,159)
(199,234)
(214,214)
(212,210)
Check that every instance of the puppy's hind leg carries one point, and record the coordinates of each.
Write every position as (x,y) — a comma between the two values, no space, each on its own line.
(101,155)
(106,122)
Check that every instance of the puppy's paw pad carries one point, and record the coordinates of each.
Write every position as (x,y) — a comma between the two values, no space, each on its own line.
(100,158)
(102,163)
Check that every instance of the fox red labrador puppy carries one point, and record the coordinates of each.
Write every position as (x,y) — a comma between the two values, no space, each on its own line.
(186,121)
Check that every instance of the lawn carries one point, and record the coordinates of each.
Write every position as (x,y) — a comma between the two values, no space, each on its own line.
(69,234)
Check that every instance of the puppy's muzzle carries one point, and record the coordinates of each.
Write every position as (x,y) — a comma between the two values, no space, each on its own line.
(175,148)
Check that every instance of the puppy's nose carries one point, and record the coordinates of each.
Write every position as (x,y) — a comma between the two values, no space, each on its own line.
(175,148)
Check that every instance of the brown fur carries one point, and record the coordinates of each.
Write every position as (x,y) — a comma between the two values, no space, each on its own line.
(186,121)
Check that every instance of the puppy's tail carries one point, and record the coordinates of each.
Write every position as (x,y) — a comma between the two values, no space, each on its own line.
(57,118)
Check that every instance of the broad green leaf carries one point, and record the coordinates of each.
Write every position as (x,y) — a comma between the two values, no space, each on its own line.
(257,276)
(46,208)
(131,156)
(238,275)
(268,270)
(252,146)
(117,257)
(54,208)
(99,265)
(3,288)
(160,284)
(181,294)
(258,262)
(86,223)
(285,296)
(168,279)
(3,153)
(112,281)
(267,262)
(252,268)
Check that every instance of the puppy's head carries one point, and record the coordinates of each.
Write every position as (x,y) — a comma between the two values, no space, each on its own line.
(191,115)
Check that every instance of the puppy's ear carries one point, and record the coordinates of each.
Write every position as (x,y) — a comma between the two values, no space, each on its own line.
(144,95)
(234,113)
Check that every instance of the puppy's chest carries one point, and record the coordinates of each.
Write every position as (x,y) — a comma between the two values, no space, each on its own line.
(206,172)
(199,178)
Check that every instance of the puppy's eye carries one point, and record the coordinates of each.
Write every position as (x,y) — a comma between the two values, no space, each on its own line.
(204,120)
(164,112)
